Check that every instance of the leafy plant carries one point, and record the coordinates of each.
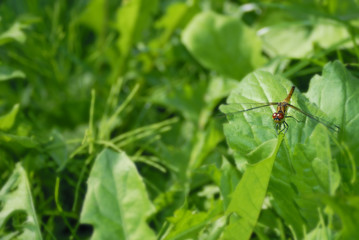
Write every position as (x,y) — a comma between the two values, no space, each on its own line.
(118,120)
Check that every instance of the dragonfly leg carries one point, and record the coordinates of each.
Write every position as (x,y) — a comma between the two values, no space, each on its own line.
(279,127)
(286,126)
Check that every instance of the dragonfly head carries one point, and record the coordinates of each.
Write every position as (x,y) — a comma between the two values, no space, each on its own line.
(278,117)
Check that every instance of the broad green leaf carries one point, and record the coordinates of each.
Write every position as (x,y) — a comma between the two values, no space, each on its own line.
(7,121)
(223,44)
(116,202)
(7,73)
(297,39)
(315,173)
(248,197)
(325,168)
(248,132)
(343,88)
(17,214)
(249,129)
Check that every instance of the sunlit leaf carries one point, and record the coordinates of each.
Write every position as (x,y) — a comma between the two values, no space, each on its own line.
(315,174)
(297,39)
(7,73)
(8,120)
(223,44)
(17,213)
(248,197)
(14,33)
(116,203)
(343,89)
(247,132)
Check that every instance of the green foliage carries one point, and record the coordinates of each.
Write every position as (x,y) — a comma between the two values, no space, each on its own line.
(112,125)
(18,215)
(8,120)
(116,202)
(238,44)
(250,193)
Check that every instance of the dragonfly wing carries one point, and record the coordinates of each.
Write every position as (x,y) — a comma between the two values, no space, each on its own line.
(231,109)
(326,123)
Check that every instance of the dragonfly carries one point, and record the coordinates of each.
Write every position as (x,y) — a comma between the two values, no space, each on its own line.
(279,117)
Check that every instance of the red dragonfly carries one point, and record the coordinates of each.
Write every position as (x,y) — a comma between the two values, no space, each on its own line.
(281,114)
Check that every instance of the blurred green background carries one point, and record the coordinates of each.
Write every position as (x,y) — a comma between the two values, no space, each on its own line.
(146,78)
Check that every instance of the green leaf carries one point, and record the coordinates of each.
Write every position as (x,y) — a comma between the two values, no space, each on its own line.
(297,39)
(316,175)
(343,89)
(249,129)
(7,73)
(17,214)
(14,33)
(116,202)
(223,44)
(7,121)
(248,133)
(342,86)
(325,168)
(248,197)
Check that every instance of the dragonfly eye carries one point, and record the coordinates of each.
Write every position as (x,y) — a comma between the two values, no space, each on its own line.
(280,115)
(274,115)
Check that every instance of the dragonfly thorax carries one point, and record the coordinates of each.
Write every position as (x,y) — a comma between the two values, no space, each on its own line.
(278,117)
